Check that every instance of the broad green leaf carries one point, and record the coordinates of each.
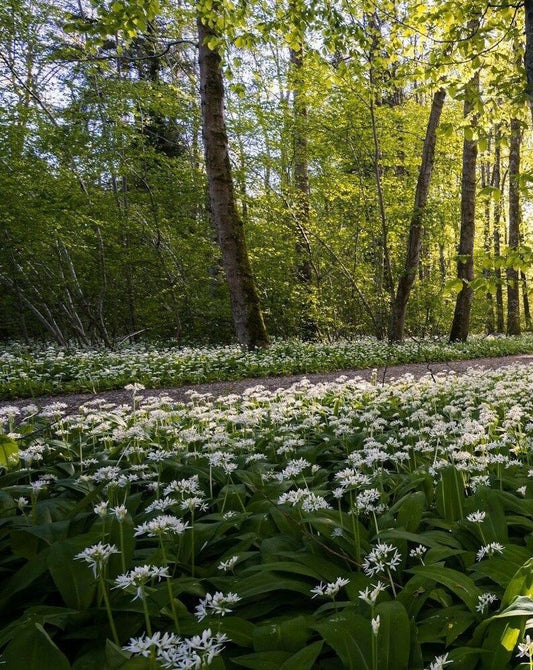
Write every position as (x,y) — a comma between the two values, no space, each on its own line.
(71,577)
(450,494)
(289,635)
(521,584)
(411,511)
(350,636)
(24,577)
(394,635)
(33,649)
(9,451)
(303,659)
(265,660)
(457,582)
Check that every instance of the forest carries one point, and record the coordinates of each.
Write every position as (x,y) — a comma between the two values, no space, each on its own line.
(226,170)
(266,345)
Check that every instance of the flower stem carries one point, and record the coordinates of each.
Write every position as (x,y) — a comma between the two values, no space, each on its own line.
(103,589)
(169,587)
(146,615)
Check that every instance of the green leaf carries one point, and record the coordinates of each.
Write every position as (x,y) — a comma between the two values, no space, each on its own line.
(411,511)
(265,660)
(71,577)
(458,583)
(24,577)
(520,585)
(288,635)
(350,636)
(450,494)
(304,659)
(9,451)
(115,655)
(33,649)
(394,636)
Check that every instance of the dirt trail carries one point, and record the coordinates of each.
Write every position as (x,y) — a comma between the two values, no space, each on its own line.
(216,389)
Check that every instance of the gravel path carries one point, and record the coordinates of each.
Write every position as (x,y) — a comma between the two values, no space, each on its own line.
(217,389)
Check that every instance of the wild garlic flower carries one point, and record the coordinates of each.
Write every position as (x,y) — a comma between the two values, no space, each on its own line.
(195,652)
(160,504)
(143,645)
(375,625)
(371,593)
(484,600)
(136,579)
(439,662)
(216,603)
(489,550)
(381,558)
(478,481)
(294,468)
(120,512)
(418,552)
(307,500)
(134,388)
(193,503)
(22,502)
(476,517)
(97,556)
(164,524)
(330,589)
(101,509)
(525,648)
(228,564)
(182,487)
(368,502)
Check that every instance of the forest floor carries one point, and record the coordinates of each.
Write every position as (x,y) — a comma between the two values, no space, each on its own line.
(216,389)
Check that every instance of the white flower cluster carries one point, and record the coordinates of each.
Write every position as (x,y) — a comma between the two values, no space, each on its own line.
(97,556)
(176,653)
(135,580)
(381,558)
(330,589)
(216,603)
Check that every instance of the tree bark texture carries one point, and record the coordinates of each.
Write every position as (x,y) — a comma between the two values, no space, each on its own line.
(416,229)
(497,183)
(247,317)
(465,264)
(528,53)
(301,197)
(487,249)
(525,300)
(513,298)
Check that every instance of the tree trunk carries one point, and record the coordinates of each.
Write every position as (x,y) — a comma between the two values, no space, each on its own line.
(497,183)
(513,298)
(487,248)
(247,317)
(525,300)
(465,264)
(416,229)
(528,54)
(301,208)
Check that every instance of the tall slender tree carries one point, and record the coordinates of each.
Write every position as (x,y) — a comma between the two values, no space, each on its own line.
(513,298)
(247,317)
(416,228)
(301,189)
(465,263)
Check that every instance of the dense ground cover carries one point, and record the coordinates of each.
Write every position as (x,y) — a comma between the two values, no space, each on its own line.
(27,371)
(338,525)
